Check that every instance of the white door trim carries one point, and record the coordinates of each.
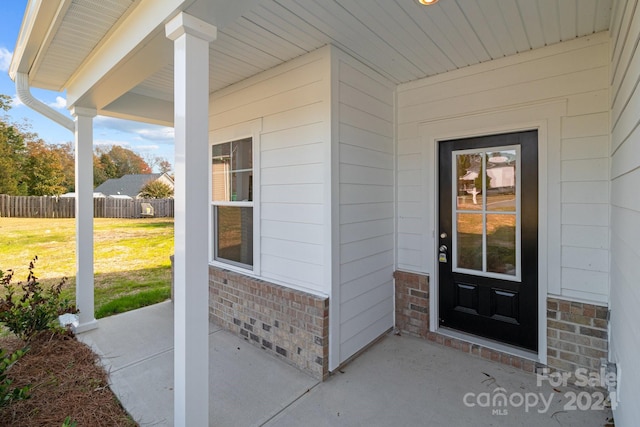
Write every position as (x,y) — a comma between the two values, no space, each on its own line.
(546,119)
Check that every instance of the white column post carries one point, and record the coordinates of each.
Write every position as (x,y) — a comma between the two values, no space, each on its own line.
(84,216)
(191,38)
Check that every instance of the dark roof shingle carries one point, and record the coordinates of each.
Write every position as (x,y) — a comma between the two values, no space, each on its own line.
(129,185)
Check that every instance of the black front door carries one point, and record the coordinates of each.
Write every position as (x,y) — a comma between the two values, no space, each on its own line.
(488,237)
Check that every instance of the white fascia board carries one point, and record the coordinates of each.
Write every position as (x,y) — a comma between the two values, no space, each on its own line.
(142,24)
(39,19)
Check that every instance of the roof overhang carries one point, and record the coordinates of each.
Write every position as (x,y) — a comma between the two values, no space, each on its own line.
(113,55)
(38,23)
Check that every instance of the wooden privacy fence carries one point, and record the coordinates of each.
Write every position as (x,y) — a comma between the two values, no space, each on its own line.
(64,207)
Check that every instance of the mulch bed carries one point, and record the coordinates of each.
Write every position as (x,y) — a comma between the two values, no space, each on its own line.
(66,381)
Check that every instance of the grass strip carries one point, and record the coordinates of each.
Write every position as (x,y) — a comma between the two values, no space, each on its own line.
(133,301)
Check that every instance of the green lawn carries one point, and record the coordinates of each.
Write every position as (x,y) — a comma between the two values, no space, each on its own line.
(131,257)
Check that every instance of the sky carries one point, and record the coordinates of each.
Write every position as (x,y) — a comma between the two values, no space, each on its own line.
(149,141)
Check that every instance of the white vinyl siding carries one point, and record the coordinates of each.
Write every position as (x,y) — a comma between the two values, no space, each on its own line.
(585,202)
(625,206)
(574,72)
(326,186)
(365,105)
(291,102)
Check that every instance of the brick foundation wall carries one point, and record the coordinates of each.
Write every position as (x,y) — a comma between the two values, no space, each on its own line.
(412,303)
(290,324)
(576,332)
(576,335)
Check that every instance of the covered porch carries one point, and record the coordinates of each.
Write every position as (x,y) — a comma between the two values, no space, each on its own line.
(400,380)
(313,131)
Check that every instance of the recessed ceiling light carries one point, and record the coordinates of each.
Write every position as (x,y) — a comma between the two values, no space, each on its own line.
(427,2)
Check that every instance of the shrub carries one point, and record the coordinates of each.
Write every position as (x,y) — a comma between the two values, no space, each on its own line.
(10,394)
(156,190)
(34,309)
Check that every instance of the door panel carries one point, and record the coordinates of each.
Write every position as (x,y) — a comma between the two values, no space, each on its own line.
(488,228)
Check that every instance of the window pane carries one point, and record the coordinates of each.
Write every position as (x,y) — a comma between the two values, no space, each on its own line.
(220,172)
(235,234)
(501,181)
(469,241)
(241,156)
(469,176)
(222,150)
(220,182)
(501,244)
(231,170)
(242,186)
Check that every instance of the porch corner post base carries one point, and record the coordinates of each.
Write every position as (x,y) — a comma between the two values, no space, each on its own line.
(86,326)
(191,38)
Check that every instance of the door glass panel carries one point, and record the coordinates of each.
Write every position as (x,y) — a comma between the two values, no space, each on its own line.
(469,173)
(501,244)
(469,241)
(501,180)
(486,212)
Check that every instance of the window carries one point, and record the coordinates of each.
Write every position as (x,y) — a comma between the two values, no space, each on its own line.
(232,202)
(486,207)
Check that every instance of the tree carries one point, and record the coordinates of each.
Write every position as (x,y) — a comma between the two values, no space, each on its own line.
(48,169)
(115,162)
(158,163)
(5,102)
(108,166)
(165,166)
(28,165)
(127,162)
(66,156)
(12,154)
(156,190)
(99,174)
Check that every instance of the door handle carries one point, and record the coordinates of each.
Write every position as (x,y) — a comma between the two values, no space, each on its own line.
(443,248)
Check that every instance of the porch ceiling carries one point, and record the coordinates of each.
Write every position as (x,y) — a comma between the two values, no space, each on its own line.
(399,38)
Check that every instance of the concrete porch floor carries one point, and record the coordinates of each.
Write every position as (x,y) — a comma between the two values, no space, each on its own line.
(400,381)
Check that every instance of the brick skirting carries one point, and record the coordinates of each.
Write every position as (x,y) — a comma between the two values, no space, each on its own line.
(576,332)
(289,324)
(412,303)
(577,335)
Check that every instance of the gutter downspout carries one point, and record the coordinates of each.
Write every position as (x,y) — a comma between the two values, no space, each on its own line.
(24,94)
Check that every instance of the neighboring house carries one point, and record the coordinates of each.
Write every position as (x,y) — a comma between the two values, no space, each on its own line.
(320,143)
(131,185)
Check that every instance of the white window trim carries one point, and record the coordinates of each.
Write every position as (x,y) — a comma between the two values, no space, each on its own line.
(251,129)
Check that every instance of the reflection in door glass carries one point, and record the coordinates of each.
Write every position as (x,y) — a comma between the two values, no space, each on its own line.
(486,211)
(501,181)
(469,171)
(501,244)
(469,241)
